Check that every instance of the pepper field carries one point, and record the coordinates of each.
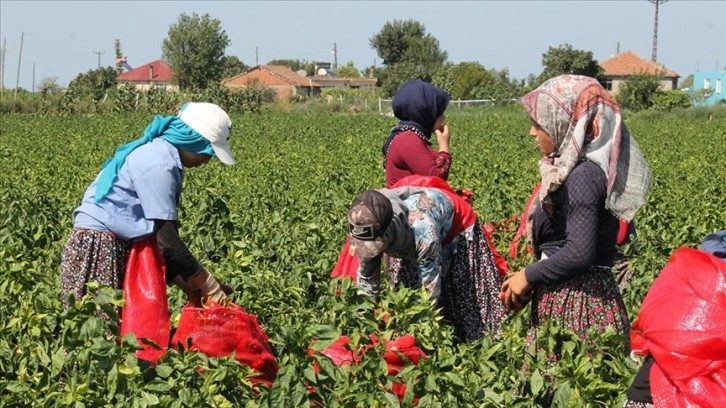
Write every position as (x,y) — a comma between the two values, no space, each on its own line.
(272,227)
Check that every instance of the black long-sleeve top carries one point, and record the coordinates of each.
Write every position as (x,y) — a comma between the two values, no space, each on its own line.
(579,233)
(177,257)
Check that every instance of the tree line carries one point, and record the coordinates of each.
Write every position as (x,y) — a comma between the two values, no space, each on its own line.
(195,51)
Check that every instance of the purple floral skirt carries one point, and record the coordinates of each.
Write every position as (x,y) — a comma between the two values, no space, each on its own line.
(92,256)
(591,299)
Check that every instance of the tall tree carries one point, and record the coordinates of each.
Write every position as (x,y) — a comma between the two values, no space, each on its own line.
(566,60)
(194,49)
(94,83)
(407,41)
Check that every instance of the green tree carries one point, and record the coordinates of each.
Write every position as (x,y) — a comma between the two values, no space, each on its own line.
(348,71)
(467,77)
(407,41)
(232,66)
(194,49)
(637,91)
(94,83)
(566,60)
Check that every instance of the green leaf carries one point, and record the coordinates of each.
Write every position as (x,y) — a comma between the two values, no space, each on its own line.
(536,382)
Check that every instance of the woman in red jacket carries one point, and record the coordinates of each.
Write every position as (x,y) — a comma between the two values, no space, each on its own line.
(420,107)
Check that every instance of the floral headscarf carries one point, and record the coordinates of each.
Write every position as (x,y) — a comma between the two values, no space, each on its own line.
(584,122)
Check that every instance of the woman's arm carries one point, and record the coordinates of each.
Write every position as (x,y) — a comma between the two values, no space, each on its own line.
(419,158)
(369,276)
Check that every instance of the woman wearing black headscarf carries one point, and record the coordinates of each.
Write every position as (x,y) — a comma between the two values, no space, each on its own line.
(407,151)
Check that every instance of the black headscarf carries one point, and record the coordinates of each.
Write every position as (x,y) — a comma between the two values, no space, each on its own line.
(417,105)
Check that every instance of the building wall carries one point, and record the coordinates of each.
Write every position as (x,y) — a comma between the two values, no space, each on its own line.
(613,84)
(715,82)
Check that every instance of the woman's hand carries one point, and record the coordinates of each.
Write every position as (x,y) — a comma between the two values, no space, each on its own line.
(442,137)
(516,291)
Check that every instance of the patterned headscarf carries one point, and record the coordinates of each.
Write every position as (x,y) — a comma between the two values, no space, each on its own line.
(583,120)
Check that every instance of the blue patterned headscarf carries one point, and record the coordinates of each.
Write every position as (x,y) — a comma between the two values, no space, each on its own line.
(170,128)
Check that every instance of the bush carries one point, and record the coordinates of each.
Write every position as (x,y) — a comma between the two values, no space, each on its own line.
(667,100)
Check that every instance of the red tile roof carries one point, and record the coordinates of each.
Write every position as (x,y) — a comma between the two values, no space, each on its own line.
(282,72)
(162,73)
(630,63)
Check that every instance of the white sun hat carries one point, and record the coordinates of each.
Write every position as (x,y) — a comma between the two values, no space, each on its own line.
(213,123)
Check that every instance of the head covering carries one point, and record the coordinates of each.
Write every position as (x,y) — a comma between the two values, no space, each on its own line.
(213,123)
(715,244)
(204,129)
(368,217)
(417,105)
(583,120)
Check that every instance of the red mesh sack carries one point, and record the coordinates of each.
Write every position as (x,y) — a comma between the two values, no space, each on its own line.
(146,313)
(682,324)
(219,331)
(399,353)
(347,265)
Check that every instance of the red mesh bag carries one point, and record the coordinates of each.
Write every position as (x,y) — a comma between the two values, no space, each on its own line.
(219,331)
(682,324)
(146,313)
(347,265)
(399,353)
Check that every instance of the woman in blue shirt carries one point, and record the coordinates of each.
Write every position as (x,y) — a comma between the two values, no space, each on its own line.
(136,195)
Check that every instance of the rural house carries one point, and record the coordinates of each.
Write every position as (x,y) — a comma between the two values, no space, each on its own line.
(618,68)
(284,81)
(155,74)
(711,82)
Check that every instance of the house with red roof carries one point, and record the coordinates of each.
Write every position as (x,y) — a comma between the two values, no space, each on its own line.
(286,82)
(153,75)
(618,68)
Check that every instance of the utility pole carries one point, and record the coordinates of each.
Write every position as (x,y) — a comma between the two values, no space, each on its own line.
(2,68)
(17,78)
(617,48)
(33,87)
(257,57)
(335,56)
(99,56)
(657,3)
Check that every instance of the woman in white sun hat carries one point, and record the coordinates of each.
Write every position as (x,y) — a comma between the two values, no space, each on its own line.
(136,196)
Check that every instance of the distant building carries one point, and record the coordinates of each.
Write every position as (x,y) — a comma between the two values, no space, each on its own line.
(626,64)
(155,74)
(712,83)
(286,82)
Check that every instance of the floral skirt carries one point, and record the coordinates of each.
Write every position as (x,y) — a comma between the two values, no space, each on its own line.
(92,256)
(591,299)
(469,289)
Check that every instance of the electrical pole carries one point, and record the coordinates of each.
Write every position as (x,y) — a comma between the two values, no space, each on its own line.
(335,56)
(2,68)
(257,57)
(657,3)
(33,87)
(99,56)
(17,78)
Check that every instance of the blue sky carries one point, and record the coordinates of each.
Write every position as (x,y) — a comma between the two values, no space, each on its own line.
(61,37)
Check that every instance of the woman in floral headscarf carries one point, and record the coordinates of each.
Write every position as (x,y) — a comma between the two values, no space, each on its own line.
(593,175)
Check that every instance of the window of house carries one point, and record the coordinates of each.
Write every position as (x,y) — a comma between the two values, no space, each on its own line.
(706,83)
(607,84)
(160,86)
(718,85)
